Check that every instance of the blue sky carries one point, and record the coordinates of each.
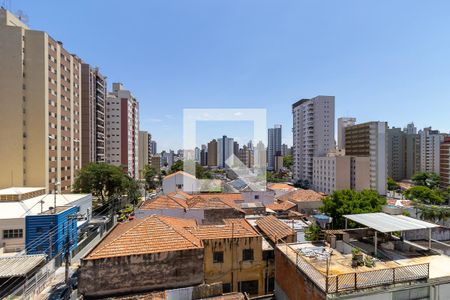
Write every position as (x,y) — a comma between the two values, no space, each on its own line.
(382,59)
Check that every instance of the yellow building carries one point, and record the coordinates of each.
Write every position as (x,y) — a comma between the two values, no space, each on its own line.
(233,255)
(40,95)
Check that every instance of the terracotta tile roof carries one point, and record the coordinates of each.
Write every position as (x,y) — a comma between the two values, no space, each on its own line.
(182,200)
(281,205)
(164,202)
(274,229)
(230,296)
(225,196)
(302,196)
(179,173)
(237,228)
(150,235)
(280,186)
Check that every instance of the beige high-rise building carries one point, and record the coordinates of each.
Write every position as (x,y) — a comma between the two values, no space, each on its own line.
(40,96)
(93,98)
(370,140)
(145,151)
(212,153)
(445,163)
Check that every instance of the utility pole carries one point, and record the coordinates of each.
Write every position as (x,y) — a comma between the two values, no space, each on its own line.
(68,243)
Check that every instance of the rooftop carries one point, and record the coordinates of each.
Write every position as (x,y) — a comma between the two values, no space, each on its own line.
(274,229)
(182,173)
(388,223)
(232,228)
(37,205)
(302,196)
(281,186)
(150,235)
(20,193)
(281,205)
(19,266)
(312,259)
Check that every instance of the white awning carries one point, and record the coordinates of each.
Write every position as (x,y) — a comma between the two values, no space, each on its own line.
(388,223)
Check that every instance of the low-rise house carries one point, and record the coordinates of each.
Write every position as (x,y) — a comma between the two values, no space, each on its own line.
(154,253)
(280,188)
(282,208)
(307,201)
(18,202)
(253,208)
(204,208)
(180,181)
(233,256)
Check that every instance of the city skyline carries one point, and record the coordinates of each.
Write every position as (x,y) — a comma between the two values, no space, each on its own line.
(375,83)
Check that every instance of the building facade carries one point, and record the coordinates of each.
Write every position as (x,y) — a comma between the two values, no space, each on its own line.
(40,94)
(430,143)
(212,153)
(370,140)
(342,124)
(273,146)
(145,151)
(313,133)
(122,128)
(445,164)
(403,154)
(93,98)
(225,151)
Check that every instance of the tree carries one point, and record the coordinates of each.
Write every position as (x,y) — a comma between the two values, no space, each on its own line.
(303,184)
(200,172)
(102,180)
(344,202)
(132,189)
(149,176)
(392,185)
(428,179)
(312,233)
(288,161)
(424,195)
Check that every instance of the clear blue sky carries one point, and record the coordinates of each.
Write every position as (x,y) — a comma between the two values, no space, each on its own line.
(382,59)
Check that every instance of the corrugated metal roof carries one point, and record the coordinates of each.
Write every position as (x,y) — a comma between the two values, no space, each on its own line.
(388,223)
(17,266)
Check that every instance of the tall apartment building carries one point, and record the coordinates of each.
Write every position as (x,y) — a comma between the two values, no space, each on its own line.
(342,124)
(154,147)
(338,172)
(203,156)
(40,119)
(313,133)
(122,129)
(403,154)
(445,163)
(430,144)
(370,140)
(145,151)
(93,98)
(410,129)
(212,154)
(225,151)
(245,155)
(273,146)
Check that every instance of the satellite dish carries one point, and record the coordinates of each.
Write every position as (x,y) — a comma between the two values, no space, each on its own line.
(22,16)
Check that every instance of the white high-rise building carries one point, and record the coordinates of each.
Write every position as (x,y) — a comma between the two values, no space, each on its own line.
(122,129)
(273,146)
(342,124)
(430,143)
(410,129)
(313,133)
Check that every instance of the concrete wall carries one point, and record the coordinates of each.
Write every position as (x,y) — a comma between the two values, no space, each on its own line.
(308,206)
(291,283)
(12,245)
(265,197)
(438,233)
(116,275)
(180,182)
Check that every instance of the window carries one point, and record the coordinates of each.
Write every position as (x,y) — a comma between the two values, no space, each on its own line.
(13,233)
(218,257)
(256,197)
(250,287)
(226,287)
(247,254)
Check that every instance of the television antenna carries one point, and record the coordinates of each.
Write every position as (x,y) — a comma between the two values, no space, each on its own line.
(22,16)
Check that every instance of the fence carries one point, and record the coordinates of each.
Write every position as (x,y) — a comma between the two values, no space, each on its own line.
(360,280)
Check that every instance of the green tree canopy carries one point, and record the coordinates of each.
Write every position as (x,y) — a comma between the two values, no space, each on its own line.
(428,179)
(132,189)
(200,172)
(424,195)
(288,161)
(392,185)
(149,176)
(102,180)
(344,202)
